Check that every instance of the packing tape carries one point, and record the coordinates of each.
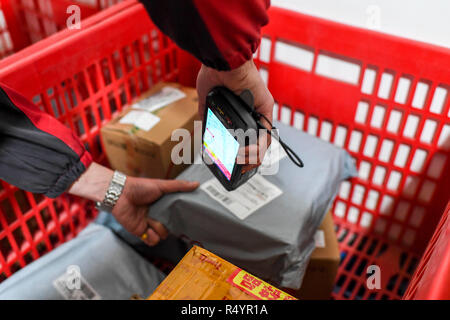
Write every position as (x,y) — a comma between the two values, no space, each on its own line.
(133,161)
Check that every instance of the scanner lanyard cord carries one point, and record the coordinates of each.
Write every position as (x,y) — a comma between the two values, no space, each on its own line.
(291,154)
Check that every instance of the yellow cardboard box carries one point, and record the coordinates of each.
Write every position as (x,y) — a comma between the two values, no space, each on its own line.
(201,275)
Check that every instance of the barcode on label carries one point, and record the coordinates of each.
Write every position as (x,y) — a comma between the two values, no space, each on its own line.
(245,200)
(90,295)
(219,195)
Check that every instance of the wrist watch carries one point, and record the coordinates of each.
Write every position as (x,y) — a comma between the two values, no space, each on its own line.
(113,193)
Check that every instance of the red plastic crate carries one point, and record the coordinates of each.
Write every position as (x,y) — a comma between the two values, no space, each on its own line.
(432,277)
(396,127)
(34,20)
(83,90)
(379,221)
(6,36)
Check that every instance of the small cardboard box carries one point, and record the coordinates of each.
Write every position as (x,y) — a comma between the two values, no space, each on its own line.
(320,275)
(138,141)
(201,275)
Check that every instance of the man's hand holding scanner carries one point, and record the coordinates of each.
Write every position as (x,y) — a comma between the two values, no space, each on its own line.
(245,77)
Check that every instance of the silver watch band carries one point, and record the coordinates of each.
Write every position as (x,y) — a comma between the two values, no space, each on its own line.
(113,193)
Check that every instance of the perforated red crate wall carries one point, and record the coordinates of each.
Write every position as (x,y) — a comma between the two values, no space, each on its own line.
(432,277)
(83,89)
(23,22)
(385,216)
(7,34)
(385,100)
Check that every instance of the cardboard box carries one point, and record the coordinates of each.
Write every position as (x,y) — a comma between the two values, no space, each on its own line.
(138,141)
(320,275)
(201,275)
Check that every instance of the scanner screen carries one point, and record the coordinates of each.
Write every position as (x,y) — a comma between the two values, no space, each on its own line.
(220,144)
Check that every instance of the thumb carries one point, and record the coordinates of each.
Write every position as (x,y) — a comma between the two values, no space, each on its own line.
(169,186)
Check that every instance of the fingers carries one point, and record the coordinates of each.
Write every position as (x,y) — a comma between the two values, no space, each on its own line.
(249,155)
(206,80)
(152,238)
(253,154)
(150,231)
(170,186)
(158,227)
(142,228)
(249,168)
(263,99)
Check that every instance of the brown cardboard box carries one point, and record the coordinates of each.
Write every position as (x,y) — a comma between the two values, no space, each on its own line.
(201,275)
(319,278)
(132,149)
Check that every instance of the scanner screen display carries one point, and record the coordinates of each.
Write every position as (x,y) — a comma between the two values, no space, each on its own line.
(220,144)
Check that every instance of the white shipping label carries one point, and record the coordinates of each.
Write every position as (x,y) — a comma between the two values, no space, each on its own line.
(274,154)
(144,120)
(162,98)
(319,239)
(72,286)
(245,200)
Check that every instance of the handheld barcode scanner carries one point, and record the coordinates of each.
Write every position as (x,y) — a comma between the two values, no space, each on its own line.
(225,111)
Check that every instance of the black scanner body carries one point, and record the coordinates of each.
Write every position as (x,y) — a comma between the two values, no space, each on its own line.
(234,112)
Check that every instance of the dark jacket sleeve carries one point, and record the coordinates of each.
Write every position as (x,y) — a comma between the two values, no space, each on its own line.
(221,34)
(37,152)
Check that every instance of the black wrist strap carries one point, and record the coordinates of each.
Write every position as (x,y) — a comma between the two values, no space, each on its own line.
(291,154)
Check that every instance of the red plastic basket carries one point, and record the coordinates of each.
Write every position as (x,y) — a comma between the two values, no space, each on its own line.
(87,78)
(390,110)
(83,90)
(34,20)
(432,277)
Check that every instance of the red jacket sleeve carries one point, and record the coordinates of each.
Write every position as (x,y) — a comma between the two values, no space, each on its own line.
(37,152)
(221,34)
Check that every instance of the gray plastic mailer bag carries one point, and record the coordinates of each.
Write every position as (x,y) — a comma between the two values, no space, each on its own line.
(94,265)
(271,239)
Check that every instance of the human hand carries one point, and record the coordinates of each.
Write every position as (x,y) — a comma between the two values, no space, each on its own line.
(237,80)
(131,209)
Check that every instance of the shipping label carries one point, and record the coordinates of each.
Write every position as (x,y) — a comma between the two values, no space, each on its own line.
(144,120)
(72,286)
(242,202)
(162,98)
(319,239)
